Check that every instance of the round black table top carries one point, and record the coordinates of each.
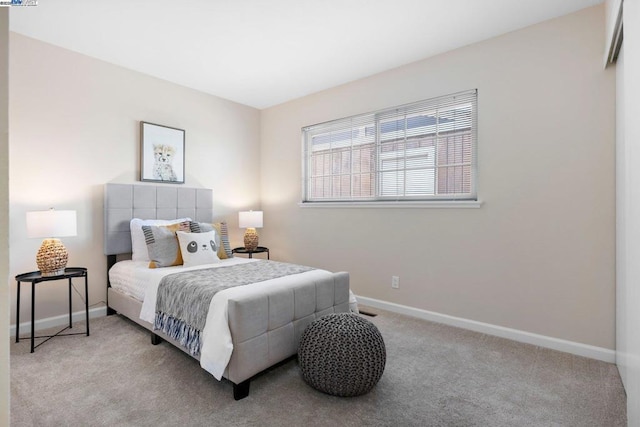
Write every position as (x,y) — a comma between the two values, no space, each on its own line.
(36,276)
(246,251)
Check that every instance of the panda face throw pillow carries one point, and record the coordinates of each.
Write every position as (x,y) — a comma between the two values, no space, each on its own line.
(198,248)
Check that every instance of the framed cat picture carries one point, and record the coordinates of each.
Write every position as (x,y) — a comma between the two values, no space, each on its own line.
(161,153)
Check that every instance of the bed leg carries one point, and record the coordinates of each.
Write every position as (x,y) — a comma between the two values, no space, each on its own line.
(240,391)
(155,339)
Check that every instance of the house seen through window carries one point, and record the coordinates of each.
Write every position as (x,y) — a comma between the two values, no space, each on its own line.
(421,151)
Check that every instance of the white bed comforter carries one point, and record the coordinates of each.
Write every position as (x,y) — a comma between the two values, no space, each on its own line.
(217,345)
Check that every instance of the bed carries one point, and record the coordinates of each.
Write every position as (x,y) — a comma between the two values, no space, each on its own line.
(259,324)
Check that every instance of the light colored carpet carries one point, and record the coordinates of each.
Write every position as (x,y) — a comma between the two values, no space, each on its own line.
(435,375)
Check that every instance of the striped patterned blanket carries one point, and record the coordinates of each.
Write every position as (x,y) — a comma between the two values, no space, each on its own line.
(183,298)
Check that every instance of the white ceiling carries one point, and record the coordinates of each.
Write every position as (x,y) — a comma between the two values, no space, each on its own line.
(265,52)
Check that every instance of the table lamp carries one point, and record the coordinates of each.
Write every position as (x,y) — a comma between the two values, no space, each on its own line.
(52,255)
(250,220)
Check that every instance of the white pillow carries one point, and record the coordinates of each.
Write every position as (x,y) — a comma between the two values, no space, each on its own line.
(198,248)
(138,244)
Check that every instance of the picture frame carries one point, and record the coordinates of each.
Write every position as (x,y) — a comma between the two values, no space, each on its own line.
(161,153)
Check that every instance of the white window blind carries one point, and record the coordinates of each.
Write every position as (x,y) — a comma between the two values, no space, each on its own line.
(420,151)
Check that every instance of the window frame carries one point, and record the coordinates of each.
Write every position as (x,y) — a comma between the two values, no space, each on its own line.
(430,108)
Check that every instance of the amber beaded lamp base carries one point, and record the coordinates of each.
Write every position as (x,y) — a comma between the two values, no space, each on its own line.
(251,239)
(52,257)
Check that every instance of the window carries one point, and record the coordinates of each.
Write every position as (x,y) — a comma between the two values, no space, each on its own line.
(421,151)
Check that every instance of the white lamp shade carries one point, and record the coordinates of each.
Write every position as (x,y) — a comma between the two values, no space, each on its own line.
(250,219)
(51,223)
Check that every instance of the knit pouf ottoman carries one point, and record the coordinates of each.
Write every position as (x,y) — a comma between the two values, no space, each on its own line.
(342,354)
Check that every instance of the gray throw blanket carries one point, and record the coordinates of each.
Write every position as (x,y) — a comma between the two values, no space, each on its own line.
(183,298)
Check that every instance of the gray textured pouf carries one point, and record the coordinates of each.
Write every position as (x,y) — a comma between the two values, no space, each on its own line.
(342,354)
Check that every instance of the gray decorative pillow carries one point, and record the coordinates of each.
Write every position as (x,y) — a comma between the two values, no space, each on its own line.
(162,244)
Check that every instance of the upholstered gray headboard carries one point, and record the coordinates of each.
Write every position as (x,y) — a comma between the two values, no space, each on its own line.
(123,202)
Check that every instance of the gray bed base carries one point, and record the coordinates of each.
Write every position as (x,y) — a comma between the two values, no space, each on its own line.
(265,327)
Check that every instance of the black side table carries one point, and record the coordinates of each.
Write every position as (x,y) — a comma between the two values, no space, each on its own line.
(258,250)
(36,277)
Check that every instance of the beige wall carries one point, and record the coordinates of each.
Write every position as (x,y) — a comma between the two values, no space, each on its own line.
(539,255)
(4,216)
(628,210)
(75,127)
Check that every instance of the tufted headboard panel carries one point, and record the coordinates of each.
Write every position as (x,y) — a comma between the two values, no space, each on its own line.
(123,202)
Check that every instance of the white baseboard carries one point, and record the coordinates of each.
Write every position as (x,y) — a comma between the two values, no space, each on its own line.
(585,350)
(576,348)
(50,322)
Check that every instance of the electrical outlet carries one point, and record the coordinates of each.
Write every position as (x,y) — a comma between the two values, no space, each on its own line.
(395,282)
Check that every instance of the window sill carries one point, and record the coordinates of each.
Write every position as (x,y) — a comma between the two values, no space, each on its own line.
(432,204)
